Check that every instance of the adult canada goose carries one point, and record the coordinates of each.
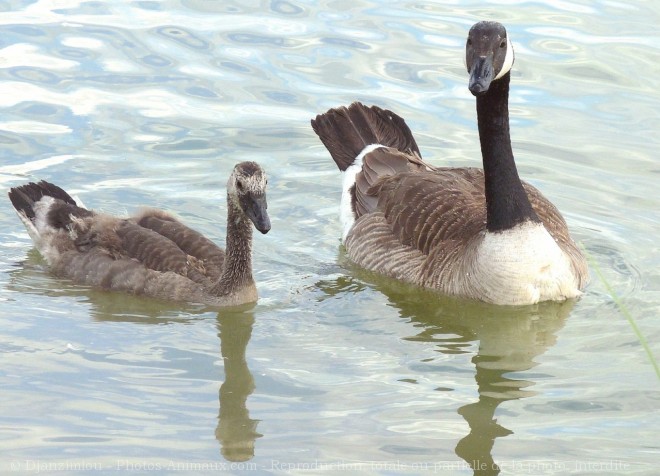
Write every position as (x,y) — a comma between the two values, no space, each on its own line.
(477,233)
(150,253)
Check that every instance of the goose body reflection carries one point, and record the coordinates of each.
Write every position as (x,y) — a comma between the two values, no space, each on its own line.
(509,340)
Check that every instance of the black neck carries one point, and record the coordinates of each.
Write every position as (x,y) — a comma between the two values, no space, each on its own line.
(506,201)
(237,272)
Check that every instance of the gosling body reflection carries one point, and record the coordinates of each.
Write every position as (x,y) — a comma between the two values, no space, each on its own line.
(236,431)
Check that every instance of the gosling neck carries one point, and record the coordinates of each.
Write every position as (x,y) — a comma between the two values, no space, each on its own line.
(237,270)
(507,204)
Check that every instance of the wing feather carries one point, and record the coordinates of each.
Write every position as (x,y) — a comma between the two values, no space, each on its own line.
(191,242)
(377,165)
(123,239)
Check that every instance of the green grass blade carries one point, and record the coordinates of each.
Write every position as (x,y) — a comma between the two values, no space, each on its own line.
(624,310)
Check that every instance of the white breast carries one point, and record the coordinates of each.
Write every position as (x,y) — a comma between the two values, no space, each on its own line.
(523,265)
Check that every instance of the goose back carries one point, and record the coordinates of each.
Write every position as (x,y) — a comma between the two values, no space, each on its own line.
(189,241)
(423,225)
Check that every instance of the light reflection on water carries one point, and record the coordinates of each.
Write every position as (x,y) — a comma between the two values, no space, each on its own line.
(132,103)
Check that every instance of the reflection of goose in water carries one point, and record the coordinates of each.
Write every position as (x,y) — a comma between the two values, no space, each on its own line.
(236,432)
(509,340)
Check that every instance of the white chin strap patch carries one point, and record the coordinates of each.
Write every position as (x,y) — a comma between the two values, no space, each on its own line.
(508,59)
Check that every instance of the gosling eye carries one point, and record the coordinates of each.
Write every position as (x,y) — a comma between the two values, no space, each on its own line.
(239,185)
(469,42)
(503,44)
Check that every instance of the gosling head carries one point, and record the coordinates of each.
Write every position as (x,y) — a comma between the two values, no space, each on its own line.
(488,55)
(247,187)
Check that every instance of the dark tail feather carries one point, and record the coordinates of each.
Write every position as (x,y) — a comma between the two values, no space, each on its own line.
(24,197)
(346,131)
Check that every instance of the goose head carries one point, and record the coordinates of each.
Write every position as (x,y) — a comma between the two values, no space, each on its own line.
(488,55)
(247,189)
